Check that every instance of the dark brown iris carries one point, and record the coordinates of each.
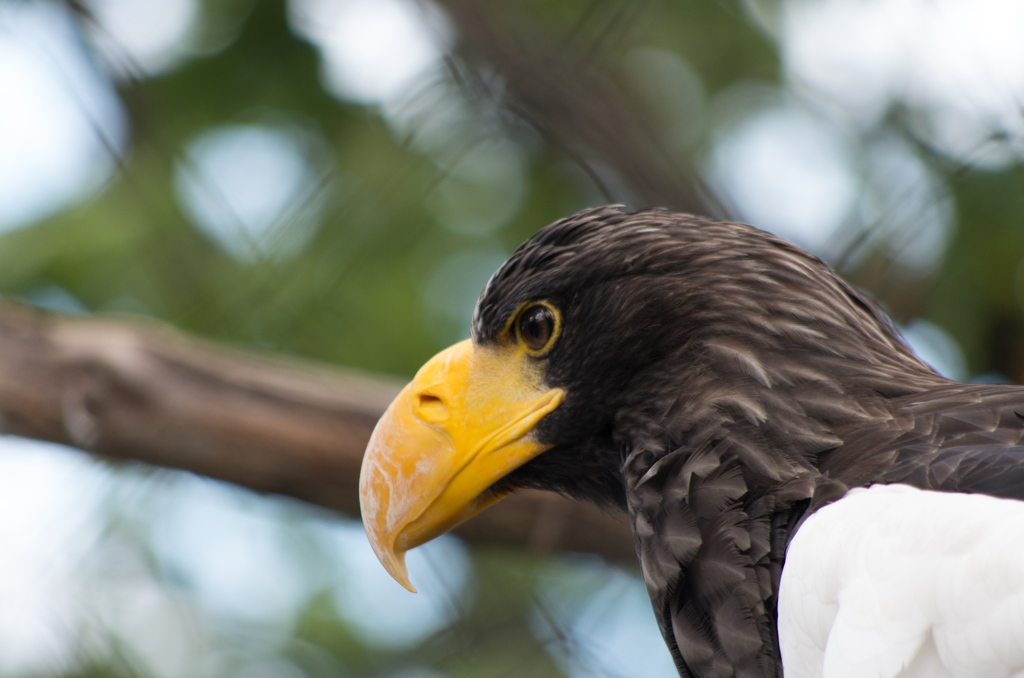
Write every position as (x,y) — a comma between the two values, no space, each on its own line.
(536,325)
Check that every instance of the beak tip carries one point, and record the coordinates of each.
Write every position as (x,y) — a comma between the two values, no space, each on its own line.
(394,563)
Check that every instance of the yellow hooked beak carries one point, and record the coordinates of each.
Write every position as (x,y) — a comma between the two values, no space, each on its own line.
(464,422)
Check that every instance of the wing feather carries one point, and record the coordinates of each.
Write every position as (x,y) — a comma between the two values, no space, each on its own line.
(905,571)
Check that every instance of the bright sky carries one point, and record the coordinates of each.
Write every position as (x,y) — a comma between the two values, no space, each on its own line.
(145,38)
(57,115)
(958,62)
(374,51)
(799,166)
(792,161)
(251,189)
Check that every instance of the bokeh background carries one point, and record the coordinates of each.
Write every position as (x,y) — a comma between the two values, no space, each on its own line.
(336,179)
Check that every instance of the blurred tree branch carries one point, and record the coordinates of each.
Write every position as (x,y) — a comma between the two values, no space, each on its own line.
(138,390)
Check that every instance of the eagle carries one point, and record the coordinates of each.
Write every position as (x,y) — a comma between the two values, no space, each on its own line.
(806,495)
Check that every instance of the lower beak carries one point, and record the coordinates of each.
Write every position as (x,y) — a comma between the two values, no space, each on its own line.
(464,422)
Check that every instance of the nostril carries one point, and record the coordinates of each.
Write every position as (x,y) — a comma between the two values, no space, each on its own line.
(431,407)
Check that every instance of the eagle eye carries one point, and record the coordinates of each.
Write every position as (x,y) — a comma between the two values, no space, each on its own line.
(536,326)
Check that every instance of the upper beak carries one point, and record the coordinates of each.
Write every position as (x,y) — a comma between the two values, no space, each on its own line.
(464,422)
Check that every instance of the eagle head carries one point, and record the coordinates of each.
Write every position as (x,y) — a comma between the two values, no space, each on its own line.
(612,333)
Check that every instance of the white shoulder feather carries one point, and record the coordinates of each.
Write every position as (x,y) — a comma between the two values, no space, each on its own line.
(896,581)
